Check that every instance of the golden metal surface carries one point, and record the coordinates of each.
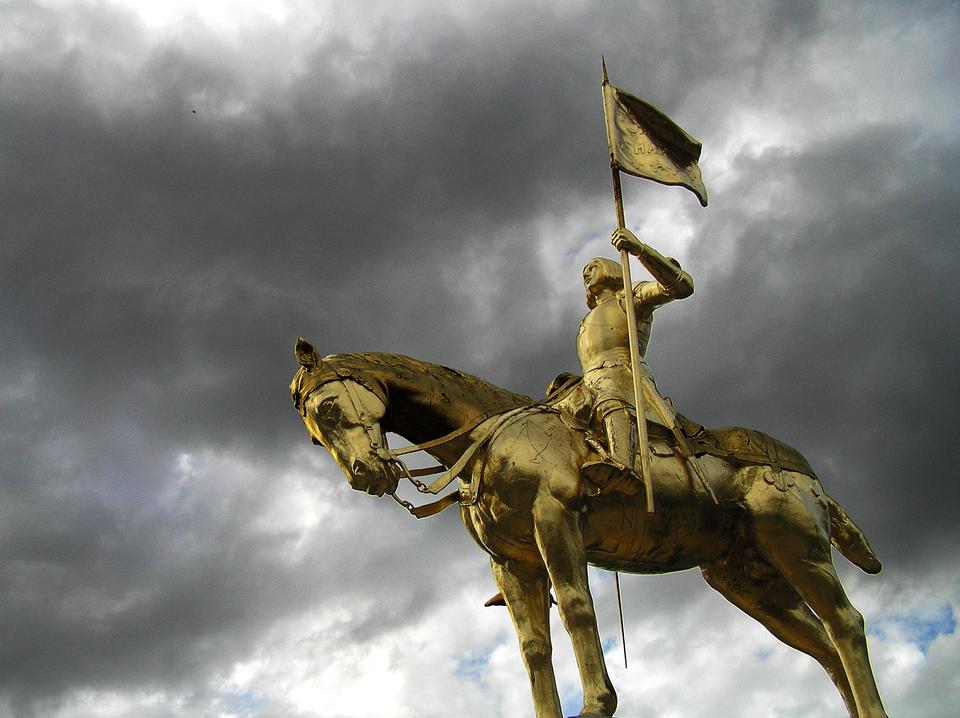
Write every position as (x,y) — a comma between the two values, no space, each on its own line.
(547,487)
(766,546)
(646,143)
(604,348)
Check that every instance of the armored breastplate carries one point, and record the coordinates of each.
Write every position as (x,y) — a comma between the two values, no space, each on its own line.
(603,335)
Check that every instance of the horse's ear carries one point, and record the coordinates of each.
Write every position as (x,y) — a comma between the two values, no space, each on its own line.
(305,353)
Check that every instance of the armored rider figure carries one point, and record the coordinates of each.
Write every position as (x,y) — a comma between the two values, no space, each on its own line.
(604,350)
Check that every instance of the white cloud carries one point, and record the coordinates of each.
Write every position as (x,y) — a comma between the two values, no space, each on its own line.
(222,15)
(221,578)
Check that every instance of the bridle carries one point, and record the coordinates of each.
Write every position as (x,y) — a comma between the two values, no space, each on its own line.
(300,391)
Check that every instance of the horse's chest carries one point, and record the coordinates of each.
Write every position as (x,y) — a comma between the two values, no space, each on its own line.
(500,520)
(504,535)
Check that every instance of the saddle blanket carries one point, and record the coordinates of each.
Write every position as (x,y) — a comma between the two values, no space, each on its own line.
(744,446)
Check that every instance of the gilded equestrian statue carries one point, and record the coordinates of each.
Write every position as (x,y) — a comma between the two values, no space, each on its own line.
(755,518)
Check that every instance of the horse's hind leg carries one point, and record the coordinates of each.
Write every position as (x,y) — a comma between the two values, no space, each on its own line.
(557,530)
(792,531)
(760,591)
(527,595)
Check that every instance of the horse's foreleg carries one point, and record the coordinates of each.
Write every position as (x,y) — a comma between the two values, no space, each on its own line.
(527,594)
(773,602)
(560,541)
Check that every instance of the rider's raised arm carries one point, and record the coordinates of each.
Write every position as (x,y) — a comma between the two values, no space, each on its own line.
(671,281)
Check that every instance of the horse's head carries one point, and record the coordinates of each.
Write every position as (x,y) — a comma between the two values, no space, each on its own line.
(342,411)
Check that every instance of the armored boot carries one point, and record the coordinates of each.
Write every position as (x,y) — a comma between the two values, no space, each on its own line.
(616,472)
(620,428)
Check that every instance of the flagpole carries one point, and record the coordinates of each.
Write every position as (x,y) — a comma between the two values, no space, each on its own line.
(631,317)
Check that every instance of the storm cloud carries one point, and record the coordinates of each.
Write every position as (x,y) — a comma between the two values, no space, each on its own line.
(183,193)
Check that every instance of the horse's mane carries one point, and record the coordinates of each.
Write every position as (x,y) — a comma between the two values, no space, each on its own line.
(399,365)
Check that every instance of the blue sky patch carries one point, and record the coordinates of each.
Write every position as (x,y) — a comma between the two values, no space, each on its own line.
(247,703)
(571,699)
(475,665)
(763,654)
(918,628)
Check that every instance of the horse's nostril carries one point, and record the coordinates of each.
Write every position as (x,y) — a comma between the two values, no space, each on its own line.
(358,468)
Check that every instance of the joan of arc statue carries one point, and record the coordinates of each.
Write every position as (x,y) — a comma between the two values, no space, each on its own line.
(604,350)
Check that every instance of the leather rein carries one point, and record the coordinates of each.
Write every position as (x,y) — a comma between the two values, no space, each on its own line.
(391,457)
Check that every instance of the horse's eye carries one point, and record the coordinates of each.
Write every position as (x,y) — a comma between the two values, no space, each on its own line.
(327,406)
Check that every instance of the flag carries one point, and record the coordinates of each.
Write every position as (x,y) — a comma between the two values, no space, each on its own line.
(644,142)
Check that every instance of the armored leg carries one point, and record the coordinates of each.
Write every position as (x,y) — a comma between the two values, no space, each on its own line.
(616,472)
(621,431)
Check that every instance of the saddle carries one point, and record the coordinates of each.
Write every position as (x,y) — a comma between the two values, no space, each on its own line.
(738,445)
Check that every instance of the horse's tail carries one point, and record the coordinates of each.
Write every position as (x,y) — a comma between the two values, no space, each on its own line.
(849,539)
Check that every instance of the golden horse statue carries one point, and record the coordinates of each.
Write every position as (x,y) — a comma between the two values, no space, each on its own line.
(762,539)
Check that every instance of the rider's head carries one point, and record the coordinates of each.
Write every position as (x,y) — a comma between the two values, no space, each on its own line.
(601,274)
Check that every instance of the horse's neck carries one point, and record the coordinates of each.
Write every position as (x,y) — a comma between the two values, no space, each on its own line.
(427,401)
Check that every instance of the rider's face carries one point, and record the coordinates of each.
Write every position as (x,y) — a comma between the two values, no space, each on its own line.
(590,276)
(592,283)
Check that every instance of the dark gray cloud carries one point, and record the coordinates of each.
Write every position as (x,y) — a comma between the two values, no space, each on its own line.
(845,285)
(179,204)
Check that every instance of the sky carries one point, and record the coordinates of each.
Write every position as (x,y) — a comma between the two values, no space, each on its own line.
(185,189)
